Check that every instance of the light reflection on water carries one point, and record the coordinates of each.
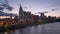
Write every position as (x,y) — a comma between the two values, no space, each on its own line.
(52,28)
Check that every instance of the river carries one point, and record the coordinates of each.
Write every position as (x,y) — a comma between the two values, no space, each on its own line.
(51,28)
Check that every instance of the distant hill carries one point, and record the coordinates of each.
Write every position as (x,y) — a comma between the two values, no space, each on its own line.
(6,14)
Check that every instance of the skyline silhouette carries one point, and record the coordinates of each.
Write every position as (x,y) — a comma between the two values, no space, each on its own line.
(35,6)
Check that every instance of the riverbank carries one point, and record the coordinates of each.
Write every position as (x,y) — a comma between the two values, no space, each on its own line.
(18,26)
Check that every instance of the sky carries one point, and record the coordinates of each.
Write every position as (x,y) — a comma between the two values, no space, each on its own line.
(35,6)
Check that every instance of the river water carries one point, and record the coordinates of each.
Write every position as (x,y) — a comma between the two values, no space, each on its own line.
(51,28)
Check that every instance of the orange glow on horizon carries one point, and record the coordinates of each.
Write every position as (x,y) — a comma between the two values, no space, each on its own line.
(1,17)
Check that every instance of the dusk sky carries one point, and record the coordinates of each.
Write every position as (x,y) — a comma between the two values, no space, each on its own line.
(35,6)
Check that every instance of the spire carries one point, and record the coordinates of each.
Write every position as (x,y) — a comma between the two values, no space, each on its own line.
(20,9)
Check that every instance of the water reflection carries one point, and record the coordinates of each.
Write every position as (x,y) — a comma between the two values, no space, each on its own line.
(53,28)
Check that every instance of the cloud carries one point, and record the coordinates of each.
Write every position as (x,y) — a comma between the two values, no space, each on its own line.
(54,9)
(9,8)
(1,8)
(6,14)
(27,7)
(4,5)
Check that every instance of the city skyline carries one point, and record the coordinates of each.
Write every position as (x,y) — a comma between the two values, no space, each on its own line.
(35,6)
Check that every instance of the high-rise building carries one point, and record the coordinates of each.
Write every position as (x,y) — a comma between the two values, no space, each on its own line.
(21,12)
